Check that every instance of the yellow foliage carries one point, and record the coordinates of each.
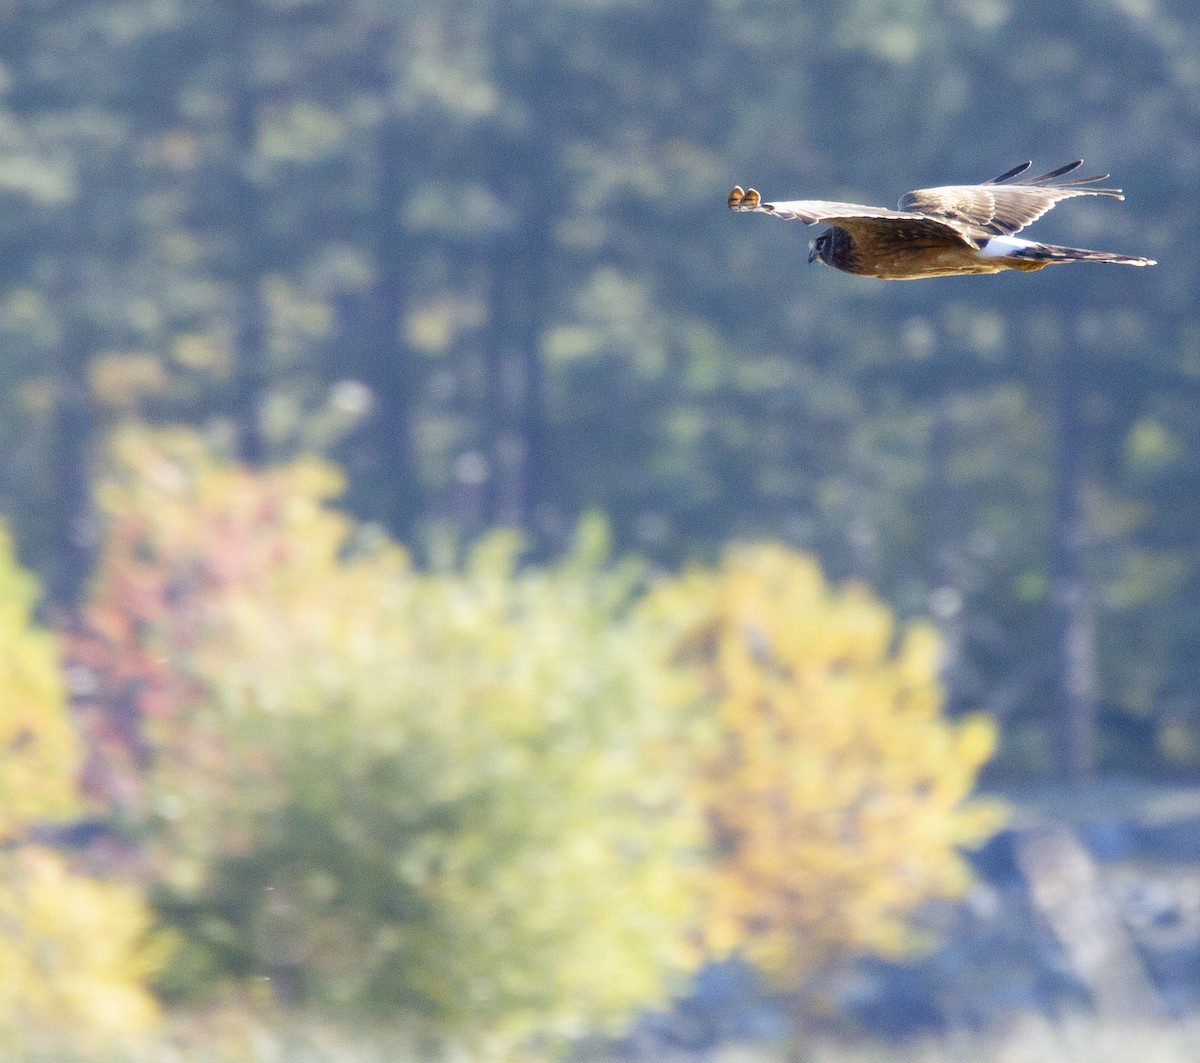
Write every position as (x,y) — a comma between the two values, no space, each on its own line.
(72,953)
(73,956)
(39,753)
(836,793)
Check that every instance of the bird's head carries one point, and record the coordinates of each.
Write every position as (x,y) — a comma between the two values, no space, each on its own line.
(819,248)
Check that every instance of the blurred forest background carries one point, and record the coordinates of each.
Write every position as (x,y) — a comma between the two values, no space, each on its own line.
(305,305)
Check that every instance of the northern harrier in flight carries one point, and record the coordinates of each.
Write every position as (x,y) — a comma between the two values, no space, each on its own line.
(943,232)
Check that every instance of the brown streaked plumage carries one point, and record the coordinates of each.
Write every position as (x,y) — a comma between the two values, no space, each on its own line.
(948,231)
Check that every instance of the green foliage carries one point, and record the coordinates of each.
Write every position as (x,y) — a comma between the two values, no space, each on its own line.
(836,794)
(521,232)
(456,795)
(73,950)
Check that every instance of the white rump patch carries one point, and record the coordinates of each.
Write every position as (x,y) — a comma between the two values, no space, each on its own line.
(1000,246)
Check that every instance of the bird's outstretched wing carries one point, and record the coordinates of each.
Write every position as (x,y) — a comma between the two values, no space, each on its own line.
(810,211)
(853,217)
(995,208)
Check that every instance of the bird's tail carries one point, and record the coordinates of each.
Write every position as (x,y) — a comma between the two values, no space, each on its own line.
(1039,255)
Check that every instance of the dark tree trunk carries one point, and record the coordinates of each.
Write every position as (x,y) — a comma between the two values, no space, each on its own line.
(386,357)
(71,519)
(85,230)
(247,208)
(521,272)
(65,523)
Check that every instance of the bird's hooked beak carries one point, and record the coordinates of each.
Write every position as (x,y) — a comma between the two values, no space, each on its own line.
(813,252)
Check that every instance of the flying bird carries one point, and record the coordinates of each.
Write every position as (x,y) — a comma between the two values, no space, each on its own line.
(943,232)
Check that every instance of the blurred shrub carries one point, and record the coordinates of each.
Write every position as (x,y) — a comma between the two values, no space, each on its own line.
(455,795)
(836,792)
(73,950)
(476,796)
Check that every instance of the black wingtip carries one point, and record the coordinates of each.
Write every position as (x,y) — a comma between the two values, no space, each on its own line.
(1053,175)
(1069,168)
(1009,174)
